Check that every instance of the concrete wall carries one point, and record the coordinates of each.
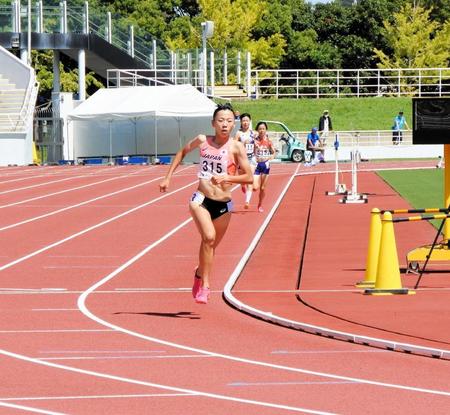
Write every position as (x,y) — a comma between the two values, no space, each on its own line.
(14,69)
(387,152)
(16,148)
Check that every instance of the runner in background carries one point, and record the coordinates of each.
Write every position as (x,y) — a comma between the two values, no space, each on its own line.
(264,152)
(247,137)
(211,204)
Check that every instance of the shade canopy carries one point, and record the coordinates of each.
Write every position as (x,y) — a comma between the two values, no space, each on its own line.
(143,102)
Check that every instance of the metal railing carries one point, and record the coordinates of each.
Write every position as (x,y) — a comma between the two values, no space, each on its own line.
(368,138)
(339,83)
(64,19)
(26,112)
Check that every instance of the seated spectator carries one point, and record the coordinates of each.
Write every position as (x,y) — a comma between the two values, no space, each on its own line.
(315,145)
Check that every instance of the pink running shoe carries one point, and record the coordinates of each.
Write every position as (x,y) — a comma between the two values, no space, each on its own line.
(197,284)
(202,296)
(247,205)
(260,209)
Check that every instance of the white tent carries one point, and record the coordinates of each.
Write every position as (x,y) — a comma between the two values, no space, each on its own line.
(152,120)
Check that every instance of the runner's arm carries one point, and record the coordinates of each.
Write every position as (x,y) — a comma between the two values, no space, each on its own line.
(191,145)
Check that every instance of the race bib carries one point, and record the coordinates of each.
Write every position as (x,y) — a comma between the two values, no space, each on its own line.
(198,197)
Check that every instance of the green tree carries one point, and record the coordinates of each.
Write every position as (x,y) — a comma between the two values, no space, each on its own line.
(43,64)
(306,52)
(415,40)
(276,19)
(236,27)
(440,9)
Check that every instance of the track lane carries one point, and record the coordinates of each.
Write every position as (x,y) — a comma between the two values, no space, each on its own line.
(233,328)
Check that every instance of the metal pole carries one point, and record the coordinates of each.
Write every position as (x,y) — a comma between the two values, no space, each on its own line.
(205,73)
(225,67)
(132,41)
(29,33)
(189,67)
(155,61)
(18,19)
(447,189)
(109,28)
(238,69)
(40,17)
(110,141)
(249,75)
(211,72)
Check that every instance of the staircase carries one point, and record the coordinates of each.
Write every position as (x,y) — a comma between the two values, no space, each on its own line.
(230,92)
(18,92)
(11,103)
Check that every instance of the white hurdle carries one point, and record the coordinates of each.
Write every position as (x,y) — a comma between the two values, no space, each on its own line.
(353,196)
(339,188)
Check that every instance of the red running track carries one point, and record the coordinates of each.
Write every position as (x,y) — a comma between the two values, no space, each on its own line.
(97,315)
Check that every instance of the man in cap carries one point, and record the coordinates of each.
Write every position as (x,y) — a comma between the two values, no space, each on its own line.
(325,125)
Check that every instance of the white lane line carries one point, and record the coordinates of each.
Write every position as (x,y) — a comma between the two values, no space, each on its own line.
(55,309)
(150,290)
(99,351)
(63,398)
(288,352)
(174,356)
(83,256)
(30,176)
(91,228)
(58,331)
(160,386)
(290,383)
(17,189)
(66,190)
(30,409)
(18,292)
(78,266)
(55,212)
(82,305)
(32,289)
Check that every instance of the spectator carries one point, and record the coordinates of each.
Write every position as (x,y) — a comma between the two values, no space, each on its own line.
(315,145)
(398,127)
(325,126)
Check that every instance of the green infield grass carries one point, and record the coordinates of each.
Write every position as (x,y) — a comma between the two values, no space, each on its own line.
(421,188)
(347,114)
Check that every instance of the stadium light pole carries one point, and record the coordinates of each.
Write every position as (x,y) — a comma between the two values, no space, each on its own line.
(207,32)
(29,33)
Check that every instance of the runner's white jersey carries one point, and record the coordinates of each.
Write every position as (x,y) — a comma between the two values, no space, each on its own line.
(248,139)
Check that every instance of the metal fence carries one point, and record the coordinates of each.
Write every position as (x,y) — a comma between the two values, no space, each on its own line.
(48,135)
(339,83)
(369,138)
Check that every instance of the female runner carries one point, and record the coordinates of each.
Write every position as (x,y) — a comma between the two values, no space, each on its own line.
(264,152)
(211,204)
(247,137)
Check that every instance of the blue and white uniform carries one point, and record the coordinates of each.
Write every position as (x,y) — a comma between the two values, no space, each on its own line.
(248,139)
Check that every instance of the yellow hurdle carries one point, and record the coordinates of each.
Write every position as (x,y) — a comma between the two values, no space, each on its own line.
(373,250)
(388,279)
